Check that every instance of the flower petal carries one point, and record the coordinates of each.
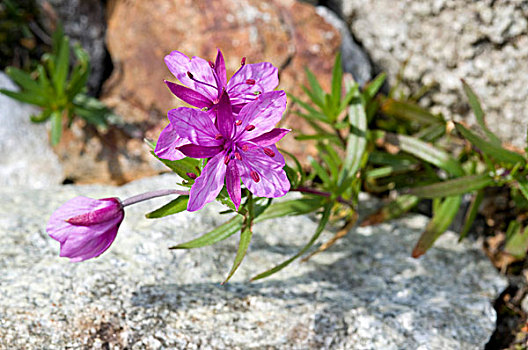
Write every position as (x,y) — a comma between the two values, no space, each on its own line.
(233,183)
(264,175)
(195,151)
(195,126)
(179,65)
(207,186)
(220,68)
(270,138)
(79,247)
(224,117)
(260,116)
(250,80)
(190,96)
(168,143)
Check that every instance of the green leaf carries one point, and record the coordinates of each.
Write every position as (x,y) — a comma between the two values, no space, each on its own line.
(516,241)
(80,73)
(442,218)
(56,127)
(220,233)
(337,78)
(351,92)
(58,34)
(356,140)
(495,151)
(461,185)
(410,111)
(425,152)
(322,173)
(42,117)
(243,245)
(245,238)
(314,84)
(523,186)
(62,65)
(471,213)
(318,231)
(173,207)
(26,97)
(319,103)
(314,114)
(479,113)
(372,88)
(23,79)
(292,207)
(182,166)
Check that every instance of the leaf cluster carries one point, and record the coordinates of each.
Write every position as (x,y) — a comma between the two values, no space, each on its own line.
(58,89)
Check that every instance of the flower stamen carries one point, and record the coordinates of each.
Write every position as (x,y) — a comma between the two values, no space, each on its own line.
(254,175)
(269,152)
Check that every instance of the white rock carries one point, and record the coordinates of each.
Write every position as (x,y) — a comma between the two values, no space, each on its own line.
(26,157)
(366,292)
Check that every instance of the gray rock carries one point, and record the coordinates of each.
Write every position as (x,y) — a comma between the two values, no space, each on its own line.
(84,22)
(364,293)
(355,60)
(26,157)
(484,42)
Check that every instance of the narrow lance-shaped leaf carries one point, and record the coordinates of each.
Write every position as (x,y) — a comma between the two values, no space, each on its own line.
(27,97)
(425,152)
(23,79)
(471,213)
(479,113)
(56,127)
(316,88)
(461,185)
(442,218)
(337,77)
(410,111)
(523,186)
(245,238)
(356,140)
(62,66)
(318,231)
(495,151)
(173,207)
(373,87)
(220,233)
(517,240)
(291,208)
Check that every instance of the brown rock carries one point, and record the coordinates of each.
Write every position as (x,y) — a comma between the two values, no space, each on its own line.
(140,33)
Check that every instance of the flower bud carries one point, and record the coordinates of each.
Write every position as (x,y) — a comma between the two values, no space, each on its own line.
(85,227)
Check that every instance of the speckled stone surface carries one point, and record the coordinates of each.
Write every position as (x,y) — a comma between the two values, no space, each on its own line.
(484,42)
(364,293)
(26,157)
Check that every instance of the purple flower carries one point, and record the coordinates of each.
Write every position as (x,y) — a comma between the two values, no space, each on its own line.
(85,227)
(239,146)
(205,82)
